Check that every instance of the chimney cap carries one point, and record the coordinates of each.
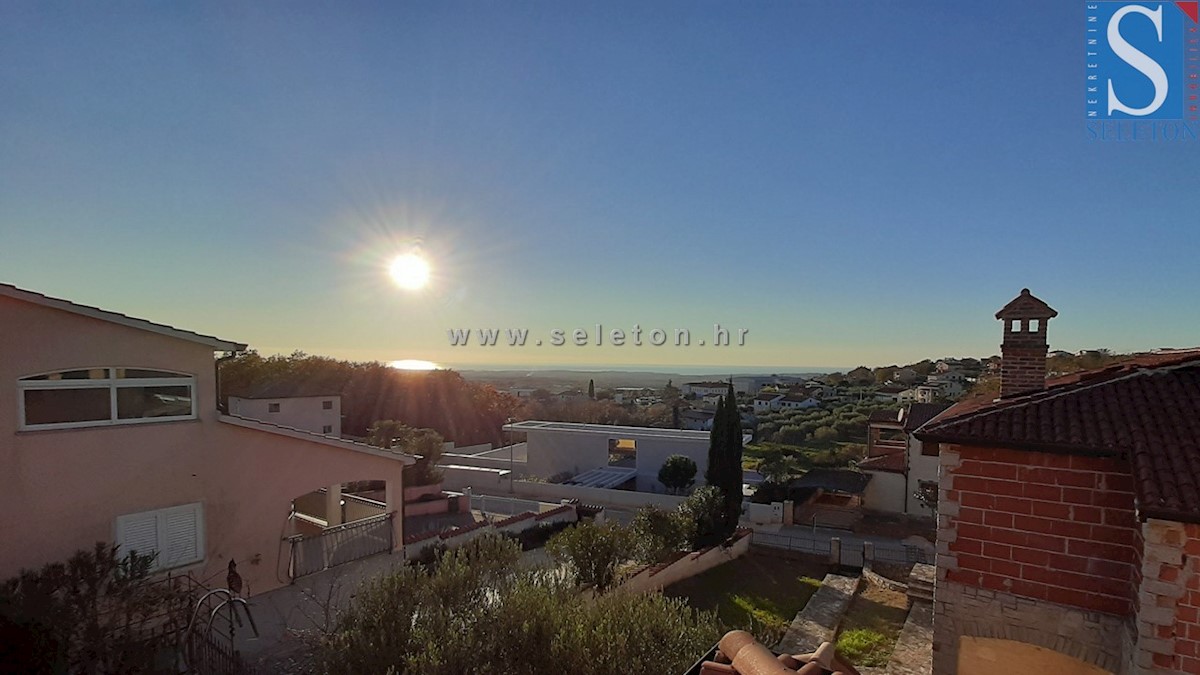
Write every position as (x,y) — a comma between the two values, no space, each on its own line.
(1026,306)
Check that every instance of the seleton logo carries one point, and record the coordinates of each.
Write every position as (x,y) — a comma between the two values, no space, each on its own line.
(1143,70)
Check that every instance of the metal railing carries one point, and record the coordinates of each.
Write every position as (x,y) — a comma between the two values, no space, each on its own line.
(798,544)
(904,556)
(503,506)
(340,544)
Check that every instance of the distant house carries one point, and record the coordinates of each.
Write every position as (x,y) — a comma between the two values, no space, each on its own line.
(702,389)
(767,401)
(752,384)
(293,404)
(521,392)
(889,393)
(696,420)
(861,376)
(906,376)
(798,400)
(110,431)
(1069,514)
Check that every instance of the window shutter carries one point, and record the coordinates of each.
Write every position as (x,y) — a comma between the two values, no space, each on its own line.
(176,534)
(181,535)
(138,532)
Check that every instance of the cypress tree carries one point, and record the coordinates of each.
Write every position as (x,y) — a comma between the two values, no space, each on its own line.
(592,389)
(717,438)
(733,461)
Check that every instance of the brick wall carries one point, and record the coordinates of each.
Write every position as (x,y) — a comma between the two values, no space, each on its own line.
(1168,620)
(1030,547)
(1048,527)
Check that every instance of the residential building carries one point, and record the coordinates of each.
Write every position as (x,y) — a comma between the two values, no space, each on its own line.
(798,400)
(110,431)
(902,465)
(567,451)
(702,389)
(1069,515)
(889,393)
(292,404)
(696,420)
(767,401)
(752,384)
(906,376)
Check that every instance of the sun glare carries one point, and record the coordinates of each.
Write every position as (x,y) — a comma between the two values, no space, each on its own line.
(413,364)
(409,271)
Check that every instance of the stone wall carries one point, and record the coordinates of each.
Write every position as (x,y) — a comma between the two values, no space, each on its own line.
(1168,618)
(960,610)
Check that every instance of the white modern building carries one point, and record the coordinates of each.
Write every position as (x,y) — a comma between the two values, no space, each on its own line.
(319,414)
(577,453)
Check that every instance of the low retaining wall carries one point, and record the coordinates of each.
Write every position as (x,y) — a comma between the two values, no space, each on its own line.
(686,565)
(764,514)
(603,496)
(416,544)
(461,477)
(435,506)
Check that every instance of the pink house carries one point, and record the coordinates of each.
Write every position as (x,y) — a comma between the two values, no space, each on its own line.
(109,431)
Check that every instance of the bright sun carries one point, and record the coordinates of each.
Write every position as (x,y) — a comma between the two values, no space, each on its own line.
(409,271)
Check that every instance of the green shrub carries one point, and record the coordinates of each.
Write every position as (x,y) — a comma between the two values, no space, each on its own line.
(864,647)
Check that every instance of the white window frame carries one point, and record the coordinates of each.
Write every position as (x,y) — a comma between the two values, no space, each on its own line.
(112,384)
(161,516)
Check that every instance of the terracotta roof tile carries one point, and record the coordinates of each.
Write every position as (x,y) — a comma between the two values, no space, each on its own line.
(1145,409)
(513,519)
(893,462)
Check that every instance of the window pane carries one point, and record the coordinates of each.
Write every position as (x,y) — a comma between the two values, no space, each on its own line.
(137,402)
(91,374)
(56,406)
(135,373)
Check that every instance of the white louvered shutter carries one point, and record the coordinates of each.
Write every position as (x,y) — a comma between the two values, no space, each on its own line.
(138,532)
(176,534)
(181,535)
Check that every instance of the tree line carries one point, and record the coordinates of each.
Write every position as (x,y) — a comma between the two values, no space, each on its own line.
(461,411)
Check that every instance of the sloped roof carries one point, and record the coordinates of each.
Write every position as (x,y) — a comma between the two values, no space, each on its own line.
(893,462)
(920,413)
(1145,409)
(292,432)
(8,290)
(832,480)
(1026,306)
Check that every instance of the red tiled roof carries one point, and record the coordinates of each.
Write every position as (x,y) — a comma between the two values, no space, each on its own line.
(893,462)
(513,519)
(920,413)
(1146,409)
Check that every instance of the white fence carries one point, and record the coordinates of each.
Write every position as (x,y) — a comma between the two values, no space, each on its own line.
(507,506)
(589,495)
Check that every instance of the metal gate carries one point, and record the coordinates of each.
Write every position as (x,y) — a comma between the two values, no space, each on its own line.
(340,544)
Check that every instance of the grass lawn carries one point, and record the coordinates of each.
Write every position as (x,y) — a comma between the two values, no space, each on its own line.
(871,625)
(756,592)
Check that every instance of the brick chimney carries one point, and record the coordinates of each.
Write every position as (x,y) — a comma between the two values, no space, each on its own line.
(1023,352)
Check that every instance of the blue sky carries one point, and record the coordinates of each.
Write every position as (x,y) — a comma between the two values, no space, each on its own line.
(852,182)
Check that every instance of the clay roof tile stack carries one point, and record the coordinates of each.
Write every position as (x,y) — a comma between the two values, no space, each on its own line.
(740,654)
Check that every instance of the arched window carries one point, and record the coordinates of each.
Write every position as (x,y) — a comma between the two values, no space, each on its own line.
(87,397)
